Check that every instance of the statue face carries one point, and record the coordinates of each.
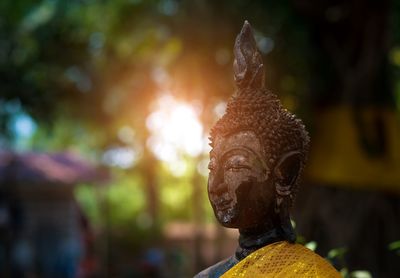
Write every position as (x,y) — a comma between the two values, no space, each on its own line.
(240,186)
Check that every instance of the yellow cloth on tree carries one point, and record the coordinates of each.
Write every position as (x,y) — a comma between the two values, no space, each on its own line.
(282,260)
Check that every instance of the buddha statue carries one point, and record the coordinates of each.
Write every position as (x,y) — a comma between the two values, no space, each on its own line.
(259,150)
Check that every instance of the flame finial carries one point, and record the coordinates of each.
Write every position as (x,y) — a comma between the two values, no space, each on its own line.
(248,67)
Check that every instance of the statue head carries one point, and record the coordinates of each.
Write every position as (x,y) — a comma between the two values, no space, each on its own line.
(259,149)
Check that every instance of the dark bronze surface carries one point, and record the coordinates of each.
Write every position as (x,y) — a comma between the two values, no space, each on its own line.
(258,153)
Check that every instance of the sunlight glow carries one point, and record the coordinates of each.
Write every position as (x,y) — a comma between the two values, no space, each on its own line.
(123,157)
(175,131)
(202,167)
(219,109)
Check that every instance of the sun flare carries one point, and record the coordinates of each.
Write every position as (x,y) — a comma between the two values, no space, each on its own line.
(175,130)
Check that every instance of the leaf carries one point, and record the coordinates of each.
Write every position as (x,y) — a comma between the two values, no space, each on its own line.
(344,272)
(312,245)
(40,15)
(394,245)
(337,252)
(360,274)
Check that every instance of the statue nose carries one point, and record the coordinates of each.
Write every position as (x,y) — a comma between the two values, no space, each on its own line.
(218,188)
(216,184)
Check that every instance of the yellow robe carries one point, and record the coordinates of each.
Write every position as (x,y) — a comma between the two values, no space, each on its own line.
(282,260)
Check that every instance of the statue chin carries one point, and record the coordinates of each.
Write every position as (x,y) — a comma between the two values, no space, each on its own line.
(228,218)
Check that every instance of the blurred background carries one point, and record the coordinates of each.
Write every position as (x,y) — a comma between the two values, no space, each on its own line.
(105,110)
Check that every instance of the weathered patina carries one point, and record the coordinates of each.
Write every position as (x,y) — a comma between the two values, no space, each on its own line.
(259,150)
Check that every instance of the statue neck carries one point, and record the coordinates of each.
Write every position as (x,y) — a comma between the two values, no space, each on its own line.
(252,239)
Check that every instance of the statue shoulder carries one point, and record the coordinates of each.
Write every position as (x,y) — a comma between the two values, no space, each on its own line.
(283,259)
(218,269)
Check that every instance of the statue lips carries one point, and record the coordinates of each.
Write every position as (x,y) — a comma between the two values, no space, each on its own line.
(224,207)
(230,209)
(219,197)
(221,202)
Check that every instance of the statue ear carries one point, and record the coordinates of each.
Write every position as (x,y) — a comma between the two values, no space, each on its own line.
(286,172)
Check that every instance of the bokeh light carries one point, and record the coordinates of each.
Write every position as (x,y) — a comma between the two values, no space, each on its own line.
(176,131)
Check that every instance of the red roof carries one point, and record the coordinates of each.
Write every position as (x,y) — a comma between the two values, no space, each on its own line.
(48,168)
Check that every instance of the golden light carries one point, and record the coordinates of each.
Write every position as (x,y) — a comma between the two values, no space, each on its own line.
(175,132)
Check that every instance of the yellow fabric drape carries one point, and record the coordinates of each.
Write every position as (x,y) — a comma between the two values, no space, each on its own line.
(283,260)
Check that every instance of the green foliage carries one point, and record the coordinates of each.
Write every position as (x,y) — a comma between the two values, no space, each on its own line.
(126,199)
(87,198)
(83,69)
(94,61)
(395,246)
(337,253)
(122,207)
(355,274)
(360,274)
(118,210)
(176,193)
(337,257)
(312,245)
